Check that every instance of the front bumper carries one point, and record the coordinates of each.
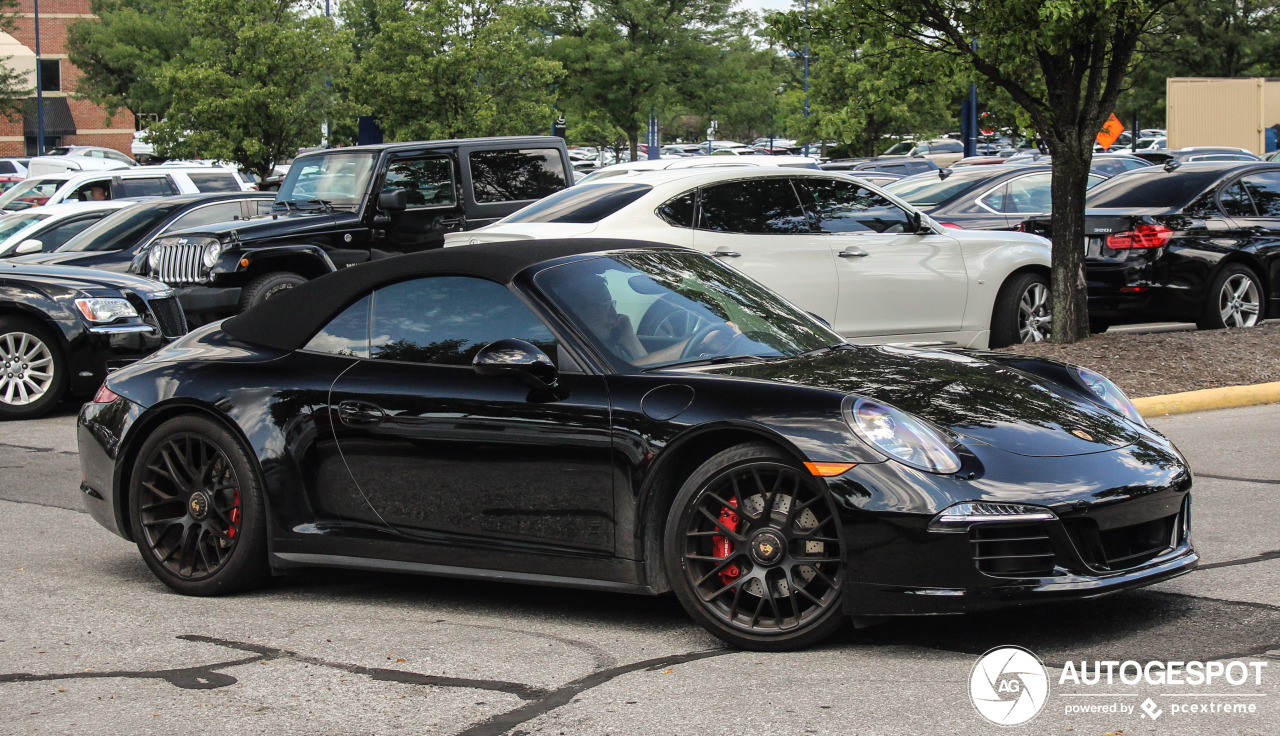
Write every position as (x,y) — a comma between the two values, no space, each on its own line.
(210,302)
(99,432)
(96,352)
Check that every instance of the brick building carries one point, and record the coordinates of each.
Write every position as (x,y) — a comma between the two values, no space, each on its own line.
(67,121)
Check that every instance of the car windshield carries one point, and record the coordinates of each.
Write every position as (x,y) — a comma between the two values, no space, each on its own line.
(1152,187)
(927,190)
(327,180)
(119,230)
(650,309)
(900,149)
(12,224)
(30,193)
(582,204)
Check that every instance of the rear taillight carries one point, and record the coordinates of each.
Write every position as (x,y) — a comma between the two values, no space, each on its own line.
(1144,235)
(105,395)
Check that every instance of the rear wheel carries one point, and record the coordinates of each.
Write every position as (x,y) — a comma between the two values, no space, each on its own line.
(1023,311)
(1235,299)
(33,372)
(196,508)
(262,288)
(752,549)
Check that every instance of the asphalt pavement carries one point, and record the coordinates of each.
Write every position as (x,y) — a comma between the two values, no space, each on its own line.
(92,643)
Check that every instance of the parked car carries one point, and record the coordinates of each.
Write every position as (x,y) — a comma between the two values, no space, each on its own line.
(63,329)
(65,159)
(215,178)
(878,178)
(980,160)
(14,168)
(775,478)
(1194,154)
(995,197)
(1197,242)
(1273,156)
(1152,143)
(893,165)
(9,182)
(143,150)
(45,229)
(942,151)
(866,262)
(1107,164)
(343,206)
(140,181)
(703,162)
(122,238)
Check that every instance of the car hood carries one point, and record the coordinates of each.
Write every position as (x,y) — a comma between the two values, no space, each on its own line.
(975,399)
(268,227)
(82,278)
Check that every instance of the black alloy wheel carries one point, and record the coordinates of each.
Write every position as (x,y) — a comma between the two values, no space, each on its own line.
(753,551)
(1236,299)
(196,509)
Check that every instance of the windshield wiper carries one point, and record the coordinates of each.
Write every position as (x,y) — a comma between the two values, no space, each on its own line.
(289,206)
(325,204)
(827,348)
(717,360)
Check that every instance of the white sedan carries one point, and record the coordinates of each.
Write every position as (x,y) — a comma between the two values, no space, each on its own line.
(45,229)
(869,264)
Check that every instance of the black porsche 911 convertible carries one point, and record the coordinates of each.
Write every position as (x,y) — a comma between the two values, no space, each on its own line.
(622,416)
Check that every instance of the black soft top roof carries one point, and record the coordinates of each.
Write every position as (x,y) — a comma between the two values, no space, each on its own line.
(287,321)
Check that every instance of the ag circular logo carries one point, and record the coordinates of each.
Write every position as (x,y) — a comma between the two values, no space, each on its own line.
(1008,686)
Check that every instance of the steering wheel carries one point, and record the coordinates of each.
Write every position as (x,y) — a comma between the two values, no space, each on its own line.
(699,337)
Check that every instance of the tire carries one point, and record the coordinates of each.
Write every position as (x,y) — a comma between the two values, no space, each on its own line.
(1234,292)
(196,509)
(33,369)
(261,288)
(1022,311)
(1098,325)
(703,566)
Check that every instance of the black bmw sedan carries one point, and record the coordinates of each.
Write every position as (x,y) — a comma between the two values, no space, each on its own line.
(1198,242)
(62,330)
(627,417)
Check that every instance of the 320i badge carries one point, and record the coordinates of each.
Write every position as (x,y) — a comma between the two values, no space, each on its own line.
(622,416)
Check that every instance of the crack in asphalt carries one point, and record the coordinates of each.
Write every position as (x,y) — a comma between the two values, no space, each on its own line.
(1239,480)
(1264,557)
(202,677)
(39,450)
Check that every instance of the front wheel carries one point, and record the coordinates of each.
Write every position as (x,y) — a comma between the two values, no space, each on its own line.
(261,288)
(752,549)
(1235,299)
(1023,311)
(196,508)
(33,372)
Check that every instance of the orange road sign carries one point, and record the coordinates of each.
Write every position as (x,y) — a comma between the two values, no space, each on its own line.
(1111,130)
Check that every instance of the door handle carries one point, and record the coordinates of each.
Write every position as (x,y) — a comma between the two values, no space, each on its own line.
(853,253)
(358,413)
(725,253)
(450,222)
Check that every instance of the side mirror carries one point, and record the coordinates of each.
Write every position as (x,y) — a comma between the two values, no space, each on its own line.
(394,200)
(29,246)
(915,221)
(517,357)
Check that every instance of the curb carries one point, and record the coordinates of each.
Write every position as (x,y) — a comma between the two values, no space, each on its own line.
(1228,397)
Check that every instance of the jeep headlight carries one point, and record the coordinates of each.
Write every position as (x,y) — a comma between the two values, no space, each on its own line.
(212,252)
(153,260)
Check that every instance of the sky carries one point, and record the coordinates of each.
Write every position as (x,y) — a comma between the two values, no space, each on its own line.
(763,5)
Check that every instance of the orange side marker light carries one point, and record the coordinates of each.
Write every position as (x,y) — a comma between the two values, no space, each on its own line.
(828,470)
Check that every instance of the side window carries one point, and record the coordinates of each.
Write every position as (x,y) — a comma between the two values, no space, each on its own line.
(152,186)
(1236,201)
(1029,195)
(447,319)
(678,211)
(55,237)
(263,206)
(1264,187)
(1093,181)
(207,215)
(428,181)
(93,191)
(346,334)
(215,181)
(947,147)
(757,207)
(7,167)
(895,168)
(840,206)
(516,175)
(995,199)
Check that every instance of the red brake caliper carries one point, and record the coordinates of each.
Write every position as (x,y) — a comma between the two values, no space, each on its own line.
(723,547)
(234,515)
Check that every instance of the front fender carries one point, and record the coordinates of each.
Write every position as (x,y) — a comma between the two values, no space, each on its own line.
(990,262)
(236,261)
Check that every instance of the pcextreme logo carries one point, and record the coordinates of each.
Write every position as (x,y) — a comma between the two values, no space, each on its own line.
(1009,686)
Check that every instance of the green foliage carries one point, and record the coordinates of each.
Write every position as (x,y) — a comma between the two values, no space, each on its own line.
(13,85)
(451,68)
(251,86)
(119,52)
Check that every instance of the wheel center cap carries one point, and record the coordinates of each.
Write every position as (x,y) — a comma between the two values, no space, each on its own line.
(198,504)
(767,547)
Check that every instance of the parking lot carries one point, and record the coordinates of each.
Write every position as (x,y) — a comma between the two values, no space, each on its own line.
(91,642)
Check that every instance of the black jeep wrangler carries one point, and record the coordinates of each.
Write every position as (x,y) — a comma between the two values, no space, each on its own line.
(344,206)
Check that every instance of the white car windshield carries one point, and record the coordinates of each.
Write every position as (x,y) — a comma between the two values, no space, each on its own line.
(30,193)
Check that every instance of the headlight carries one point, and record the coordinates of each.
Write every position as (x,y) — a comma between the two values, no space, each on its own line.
(958,517)
(902,437)
(105,310)
(153,260)
(212,252)
(1109,394)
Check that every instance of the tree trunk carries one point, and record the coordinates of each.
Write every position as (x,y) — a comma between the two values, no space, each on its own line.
(1070,294)
(633,138)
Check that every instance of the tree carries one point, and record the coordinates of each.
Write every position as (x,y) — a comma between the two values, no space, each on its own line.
(252,85)
(451,68)
(1064,62)
(119,52)
(623,58)
(13,84)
